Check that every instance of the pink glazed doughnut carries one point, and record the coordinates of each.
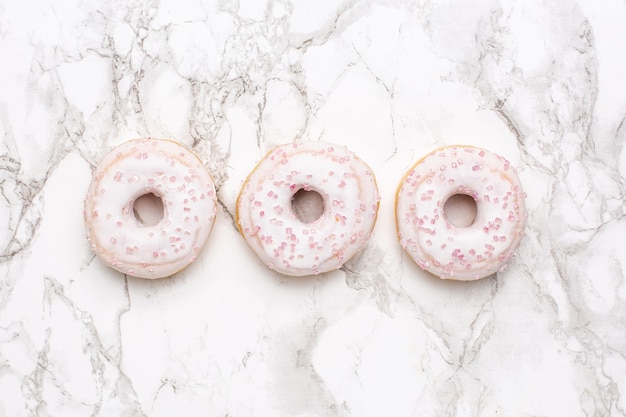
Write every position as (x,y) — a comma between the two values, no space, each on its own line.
(436,244)
(171,173)
(270,225)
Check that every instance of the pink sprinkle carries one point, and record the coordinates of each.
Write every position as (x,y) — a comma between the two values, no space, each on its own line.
(172,179)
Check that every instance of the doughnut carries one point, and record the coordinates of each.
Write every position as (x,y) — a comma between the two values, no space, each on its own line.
(274,228)
(170,176)
(458,251)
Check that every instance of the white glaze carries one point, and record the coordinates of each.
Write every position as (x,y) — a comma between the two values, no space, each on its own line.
(169,171)
(437,245)
(285,243)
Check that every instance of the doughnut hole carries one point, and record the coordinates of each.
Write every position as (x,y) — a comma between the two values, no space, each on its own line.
(308,206)
(460,210)
(148,209)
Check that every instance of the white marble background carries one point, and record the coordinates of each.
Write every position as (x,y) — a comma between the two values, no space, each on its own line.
(540,82)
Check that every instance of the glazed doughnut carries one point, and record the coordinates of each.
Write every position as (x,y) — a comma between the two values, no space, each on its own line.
(271,226)
(171,173)
(433,241)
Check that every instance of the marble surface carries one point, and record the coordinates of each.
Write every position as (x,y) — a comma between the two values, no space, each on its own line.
(540,82)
